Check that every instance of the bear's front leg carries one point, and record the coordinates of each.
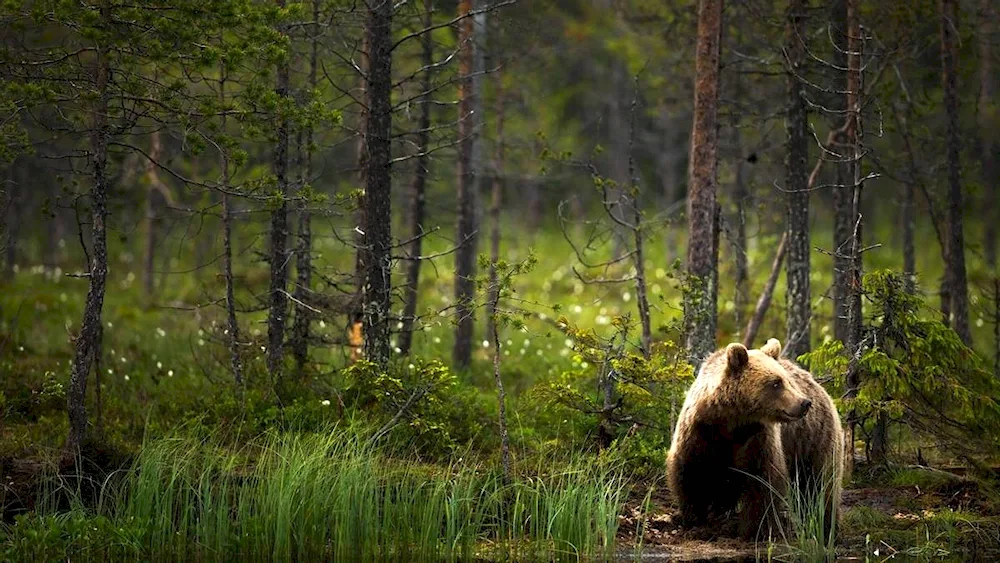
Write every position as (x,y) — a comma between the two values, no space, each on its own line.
(763,466)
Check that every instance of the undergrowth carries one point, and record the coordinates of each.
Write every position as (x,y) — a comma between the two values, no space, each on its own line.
(327,496)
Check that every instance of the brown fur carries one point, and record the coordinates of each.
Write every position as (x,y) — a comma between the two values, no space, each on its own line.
(750,421)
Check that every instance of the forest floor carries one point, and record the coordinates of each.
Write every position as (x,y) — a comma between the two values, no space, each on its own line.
(912,515)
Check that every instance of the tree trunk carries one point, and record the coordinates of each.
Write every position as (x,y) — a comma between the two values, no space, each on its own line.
(378,187)
(90,327)
(278,309)
(10,221)
(468,189)
(501,394)
(700,301)
(854,141)
(496,201)
(958,283)
(797,127)
(233,327)
(909,246)
(154,190)
(987,122)
(764,302)
(303,255)
(741,197)
(417,198)
(842,219)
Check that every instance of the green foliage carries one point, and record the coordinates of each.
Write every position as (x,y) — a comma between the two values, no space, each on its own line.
(421,397)
(916,371)
(646,397)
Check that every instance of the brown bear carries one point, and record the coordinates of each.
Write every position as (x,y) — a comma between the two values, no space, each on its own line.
(753,424)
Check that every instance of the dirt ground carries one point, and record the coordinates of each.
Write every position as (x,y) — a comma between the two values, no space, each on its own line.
(891,519)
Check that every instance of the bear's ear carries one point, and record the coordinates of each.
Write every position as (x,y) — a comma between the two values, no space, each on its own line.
(736,358)
(772,348)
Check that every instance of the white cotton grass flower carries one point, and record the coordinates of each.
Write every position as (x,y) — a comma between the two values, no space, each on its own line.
(437,339)
(159,365)
(325,402)
(126,378)
(577,309)
(486,343)
(626,296)
(397,350)
(170,373)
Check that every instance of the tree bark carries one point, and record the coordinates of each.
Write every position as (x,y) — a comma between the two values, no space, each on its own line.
(10,220)
(700,301)
(741,197)
(378,188)
(278,308)
(496,200)
(233,327)
(764,302)
(303,253)
(468,188)
(842,219)
(797,149)
(957,278)
(854,142)
(501,393)
(417,194)
(88,339)
(987,121)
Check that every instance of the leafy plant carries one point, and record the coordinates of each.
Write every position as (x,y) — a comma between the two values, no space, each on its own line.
(916,371)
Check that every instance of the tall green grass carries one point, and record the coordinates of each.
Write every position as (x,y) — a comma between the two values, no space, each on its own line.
(336,496)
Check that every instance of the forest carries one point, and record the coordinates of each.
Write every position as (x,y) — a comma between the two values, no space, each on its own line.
(429,280)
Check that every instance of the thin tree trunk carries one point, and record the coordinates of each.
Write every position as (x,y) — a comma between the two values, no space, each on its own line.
(233,327)
(700,301)
(98,395)
(741,197)
(765,297)
(842,220)
(909,246)
(378,212)
(88,339)
(639,259)
(987,121)
(303,257)
(797,149)
(501,394)
(417,197)
(154,187)
(958,283)
(356,309)
(10,220)
(278,309)
(468,188)
(496,200)
(996,327)
(854,137)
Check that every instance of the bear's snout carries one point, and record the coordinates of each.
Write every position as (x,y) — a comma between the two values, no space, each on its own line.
(804,407)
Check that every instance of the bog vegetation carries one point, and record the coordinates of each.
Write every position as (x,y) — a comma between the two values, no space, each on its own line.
(338,280)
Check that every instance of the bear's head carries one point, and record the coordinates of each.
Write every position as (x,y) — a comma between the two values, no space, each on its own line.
(761,386)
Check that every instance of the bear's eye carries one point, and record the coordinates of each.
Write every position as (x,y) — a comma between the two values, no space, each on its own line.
(776,384)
